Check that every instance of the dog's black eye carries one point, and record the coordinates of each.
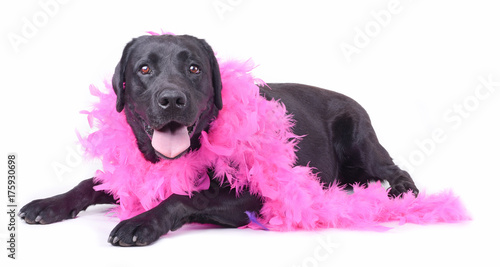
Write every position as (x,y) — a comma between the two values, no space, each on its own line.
(145,70)
(194,69)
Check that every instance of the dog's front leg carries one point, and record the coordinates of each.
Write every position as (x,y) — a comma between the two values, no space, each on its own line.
(64,206)
(216,205)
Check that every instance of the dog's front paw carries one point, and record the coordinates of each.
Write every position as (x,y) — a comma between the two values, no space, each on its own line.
(48,210)
(140,230)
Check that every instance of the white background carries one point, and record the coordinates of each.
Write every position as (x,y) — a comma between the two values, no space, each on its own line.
(413,72)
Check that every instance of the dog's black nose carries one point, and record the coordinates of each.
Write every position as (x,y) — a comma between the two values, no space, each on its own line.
(172,99)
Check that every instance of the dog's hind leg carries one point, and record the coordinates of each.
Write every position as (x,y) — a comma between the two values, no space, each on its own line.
(64,206)
(362,158)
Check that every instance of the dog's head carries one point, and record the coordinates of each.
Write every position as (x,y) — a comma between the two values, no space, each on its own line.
(170,89)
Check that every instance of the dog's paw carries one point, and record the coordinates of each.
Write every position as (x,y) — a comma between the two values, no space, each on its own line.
(48,210)
(401,187)
(140,230)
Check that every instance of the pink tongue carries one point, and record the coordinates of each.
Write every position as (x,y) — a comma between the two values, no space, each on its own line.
(171,143)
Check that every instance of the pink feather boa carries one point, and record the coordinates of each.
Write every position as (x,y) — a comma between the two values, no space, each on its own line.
(250,146)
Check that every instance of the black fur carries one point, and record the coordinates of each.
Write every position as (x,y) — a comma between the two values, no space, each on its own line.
(339,140)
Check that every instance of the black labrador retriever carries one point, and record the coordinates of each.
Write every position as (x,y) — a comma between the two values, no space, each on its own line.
(173,92)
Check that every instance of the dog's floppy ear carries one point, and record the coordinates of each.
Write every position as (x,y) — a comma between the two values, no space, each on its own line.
(216,79)
(118,81)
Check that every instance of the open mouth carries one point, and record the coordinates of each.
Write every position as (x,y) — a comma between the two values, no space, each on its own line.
(172,140)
